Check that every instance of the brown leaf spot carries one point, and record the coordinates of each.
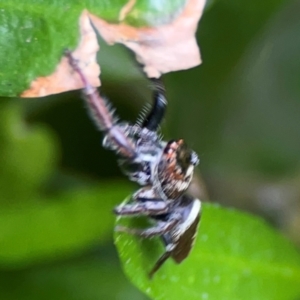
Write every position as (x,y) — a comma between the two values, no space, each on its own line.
(162,49)
(63,78)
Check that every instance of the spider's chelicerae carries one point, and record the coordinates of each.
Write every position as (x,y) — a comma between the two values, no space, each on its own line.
(163,169)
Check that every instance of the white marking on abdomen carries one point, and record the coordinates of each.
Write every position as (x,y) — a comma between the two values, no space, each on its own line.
(182,228)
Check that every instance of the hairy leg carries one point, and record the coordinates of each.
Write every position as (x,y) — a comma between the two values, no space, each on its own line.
(160,229)
(116,138)
(149,207)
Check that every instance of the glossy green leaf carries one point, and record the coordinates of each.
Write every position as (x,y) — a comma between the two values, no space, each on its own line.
(236,256)
(60,225)
(33,34)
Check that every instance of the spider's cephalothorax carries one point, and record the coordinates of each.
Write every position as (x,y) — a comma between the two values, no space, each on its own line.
(175,169)
(163,169)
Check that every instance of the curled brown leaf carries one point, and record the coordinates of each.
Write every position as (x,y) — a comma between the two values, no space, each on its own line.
(161,49)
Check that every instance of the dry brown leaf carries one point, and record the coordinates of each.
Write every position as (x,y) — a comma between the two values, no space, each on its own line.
(162,49)
(63,78)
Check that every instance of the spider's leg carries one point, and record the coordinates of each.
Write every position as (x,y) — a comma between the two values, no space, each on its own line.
(158,230)
(149,207)
(179,241)
(116,138)
(157,112)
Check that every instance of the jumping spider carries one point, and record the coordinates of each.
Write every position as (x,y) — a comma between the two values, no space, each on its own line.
(163,169)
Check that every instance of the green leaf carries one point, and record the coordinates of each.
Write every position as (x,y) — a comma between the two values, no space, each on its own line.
(236,256)
(33,34)
(154,12)
(58,226)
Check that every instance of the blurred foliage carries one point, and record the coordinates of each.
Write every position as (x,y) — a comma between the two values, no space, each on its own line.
(239,110)
(96,276)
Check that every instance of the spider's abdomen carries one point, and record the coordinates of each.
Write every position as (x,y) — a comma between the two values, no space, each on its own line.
(179,241)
